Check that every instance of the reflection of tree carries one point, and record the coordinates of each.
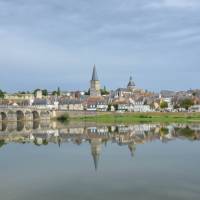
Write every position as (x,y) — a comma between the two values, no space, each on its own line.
(36,142)
(45,142)
(186,132)
(2,143)
(164,131)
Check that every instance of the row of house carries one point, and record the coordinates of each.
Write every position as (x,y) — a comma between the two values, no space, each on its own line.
(130,98)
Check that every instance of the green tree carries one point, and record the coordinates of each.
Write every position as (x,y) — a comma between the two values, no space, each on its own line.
(109,107)
(35,91)
(44,92)
(163,105)
(58,91)
(54,93)
(21,92)
(2,94)
(186,103)
(116,106)
(104,91)
(88,92)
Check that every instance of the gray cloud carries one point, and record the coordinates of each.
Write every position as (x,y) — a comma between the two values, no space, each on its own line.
(54,42)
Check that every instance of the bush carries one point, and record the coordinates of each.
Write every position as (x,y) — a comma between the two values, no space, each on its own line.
(163,105)
(63,118)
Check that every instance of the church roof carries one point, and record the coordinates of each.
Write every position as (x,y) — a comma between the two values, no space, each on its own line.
(94,74)
(131,82)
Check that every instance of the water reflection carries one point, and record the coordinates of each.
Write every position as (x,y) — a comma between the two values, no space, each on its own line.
(45,132)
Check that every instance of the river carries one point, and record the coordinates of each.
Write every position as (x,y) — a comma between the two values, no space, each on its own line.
(53,161)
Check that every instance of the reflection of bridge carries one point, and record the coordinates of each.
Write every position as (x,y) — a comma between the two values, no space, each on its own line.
(45,131)
(29,113)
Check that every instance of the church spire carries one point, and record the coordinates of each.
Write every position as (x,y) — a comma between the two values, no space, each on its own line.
(94,74)
(95,89)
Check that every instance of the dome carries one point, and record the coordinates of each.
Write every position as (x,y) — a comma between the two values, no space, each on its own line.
(131,83)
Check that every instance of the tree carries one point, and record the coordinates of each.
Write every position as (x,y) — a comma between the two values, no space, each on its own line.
(35,91)
(163,105)
(186,103)
(58,91)
(104,91)
(54,93)
(21,92)
(109,107)
(44,92)
(116,106)
(145,102)
(2,94)
(88,92)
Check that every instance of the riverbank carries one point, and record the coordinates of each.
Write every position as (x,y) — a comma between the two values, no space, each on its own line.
(141,118)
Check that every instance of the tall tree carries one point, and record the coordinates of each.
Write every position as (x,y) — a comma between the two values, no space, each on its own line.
(163,105)
(2,94)
(58,91)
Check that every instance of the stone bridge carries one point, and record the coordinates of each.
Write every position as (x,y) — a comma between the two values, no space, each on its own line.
(29,113)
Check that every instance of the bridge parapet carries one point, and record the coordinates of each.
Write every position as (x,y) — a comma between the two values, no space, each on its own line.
(28,113)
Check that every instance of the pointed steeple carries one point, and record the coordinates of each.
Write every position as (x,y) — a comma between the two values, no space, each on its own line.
(96,160)
(94,74)
(132,148)
(96,151)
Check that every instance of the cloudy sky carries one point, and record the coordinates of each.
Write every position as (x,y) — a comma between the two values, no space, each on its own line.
(50,43)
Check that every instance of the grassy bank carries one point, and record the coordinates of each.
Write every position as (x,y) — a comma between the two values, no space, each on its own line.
(143,117)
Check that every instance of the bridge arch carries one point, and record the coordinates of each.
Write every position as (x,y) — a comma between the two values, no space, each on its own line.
(3,116)
(36,124)
(12,116)
(20,125)
(36,115)
(20,115)
(3,126)
(44,114)
(28,115)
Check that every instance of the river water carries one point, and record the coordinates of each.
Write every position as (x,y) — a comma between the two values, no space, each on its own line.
(51,161)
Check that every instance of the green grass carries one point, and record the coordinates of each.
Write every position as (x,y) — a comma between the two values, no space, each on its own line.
(142,118)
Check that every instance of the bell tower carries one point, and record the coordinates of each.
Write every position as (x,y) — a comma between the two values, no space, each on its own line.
(95,89)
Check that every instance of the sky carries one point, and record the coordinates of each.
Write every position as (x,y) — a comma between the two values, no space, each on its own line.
(51,43)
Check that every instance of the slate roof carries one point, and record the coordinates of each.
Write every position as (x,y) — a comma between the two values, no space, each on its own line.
(94,74)
(131,82)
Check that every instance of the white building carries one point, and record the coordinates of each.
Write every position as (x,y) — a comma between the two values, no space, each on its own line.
(195,108)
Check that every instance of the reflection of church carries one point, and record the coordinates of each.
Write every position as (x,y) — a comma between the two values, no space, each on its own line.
(43,133)
(96,145)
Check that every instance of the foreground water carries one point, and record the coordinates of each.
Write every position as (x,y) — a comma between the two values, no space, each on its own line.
(50,161)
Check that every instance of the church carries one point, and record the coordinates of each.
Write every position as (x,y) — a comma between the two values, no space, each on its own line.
(95,88)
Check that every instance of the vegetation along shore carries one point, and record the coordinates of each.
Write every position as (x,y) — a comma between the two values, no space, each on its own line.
(137,117)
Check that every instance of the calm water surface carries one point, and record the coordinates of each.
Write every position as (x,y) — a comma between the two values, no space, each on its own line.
(49,161)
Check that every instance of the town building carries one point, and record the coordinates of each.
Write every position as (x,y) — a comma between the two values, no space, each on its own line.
(129,91)
(71,105)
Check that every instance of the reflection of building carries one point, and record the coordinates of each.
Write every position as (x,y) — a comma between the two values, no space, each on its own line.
(96,150)
(128,136)
(95,84)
